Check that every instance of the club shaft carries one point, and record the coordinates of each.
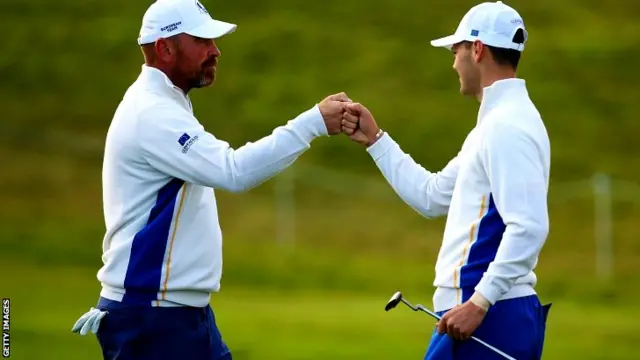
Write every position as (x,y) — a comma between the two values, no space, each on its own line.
(408,304)
(434,315)
(493,348)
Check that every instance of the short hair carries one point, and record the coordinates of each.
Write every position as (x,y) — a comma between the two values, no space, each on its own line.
(508,57)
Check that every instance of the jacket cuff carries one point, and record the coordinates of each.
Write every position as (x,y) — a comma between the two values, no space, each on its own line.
(310,124)
(381,147)
(488,290)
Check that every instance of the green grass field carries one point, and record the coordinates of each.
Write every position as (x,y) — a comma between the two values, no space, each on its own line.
(320,297)
(289,324)
(355,242)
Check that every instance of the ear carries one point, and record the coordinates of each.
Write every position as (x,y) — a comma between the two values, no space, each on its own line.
(164,48)
(478,51)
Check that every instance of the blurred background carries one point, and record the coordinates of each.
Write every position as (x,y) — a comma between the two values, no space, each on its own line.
(312,256)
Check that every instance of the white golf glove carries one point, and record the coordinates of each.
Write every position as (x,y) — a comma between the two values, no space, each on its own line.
(90,321)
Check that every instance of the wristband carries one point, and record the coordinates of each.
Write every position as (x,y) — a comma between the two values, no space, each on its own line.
(377,136)
(480,301)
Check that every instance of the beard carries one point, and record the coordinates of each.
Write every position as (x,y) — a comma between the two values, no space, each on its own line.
(202,79)
(204,76)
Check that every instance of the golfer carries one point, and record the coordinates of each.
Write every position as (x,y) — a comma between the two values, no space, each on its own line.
(494,193)
(162,250)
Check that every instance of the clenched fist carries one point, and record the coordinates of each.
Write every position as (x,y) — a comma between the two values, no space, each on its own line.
(359,124)
(332,110)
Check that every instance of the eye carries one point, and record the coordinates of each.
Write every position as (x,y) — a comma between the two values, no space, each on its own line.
(203,40)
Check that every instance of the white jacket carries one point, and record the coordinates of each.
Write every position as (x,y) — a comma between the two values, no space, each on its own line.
(163,243)
(494,193)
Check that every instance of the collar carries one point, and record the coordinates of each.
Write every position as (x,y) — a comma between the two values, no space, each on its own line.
(160,81)
(495,93)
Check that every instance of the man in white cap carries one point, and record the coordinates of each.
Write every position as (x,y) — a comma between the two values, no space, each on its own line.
(494,193)
(162,250)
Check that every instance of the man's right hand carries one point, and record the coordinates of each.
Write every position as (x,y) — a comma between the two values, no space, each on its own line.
(359,124)
(332,110)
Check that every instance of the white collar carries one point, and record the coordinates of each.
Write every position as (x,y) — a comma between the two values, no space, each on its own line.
(493,94)
(159,80)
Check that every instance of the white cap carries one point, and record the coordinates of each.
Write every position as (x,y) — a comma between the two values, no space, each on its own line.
(166,18)
(492,23)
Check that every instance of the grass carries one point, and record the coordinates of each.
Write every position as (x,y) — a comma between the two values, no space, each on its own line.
(284,57)
(320,296)
(269,324)
(355,242)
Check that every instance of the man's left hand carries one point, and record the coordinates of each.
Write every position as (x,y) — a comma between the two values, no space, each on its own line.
(461,321)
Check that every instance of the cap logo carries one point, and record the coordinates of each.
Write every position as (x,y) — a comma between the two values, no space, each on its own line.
(516,21)
(474,32)
(171,27)
(201,7)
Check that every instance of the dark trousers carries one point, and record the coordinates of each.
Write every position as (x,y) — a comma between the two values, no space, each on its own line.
(515,326)
(159,333)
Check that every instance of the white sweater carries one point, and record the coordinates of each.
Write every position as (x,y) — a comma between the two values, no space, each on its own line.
(163,243)
(494,193)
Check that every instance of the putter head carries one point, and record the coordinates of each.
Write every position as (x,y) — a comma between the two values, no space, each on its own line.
(394,301)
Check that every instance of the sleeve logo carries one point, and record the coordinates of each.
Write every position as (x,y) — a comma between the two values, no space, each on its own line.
(186,141)
(184,138)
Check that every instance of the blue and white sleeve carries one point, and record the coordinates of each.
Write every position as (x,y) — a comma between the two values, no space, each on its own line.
(174,142)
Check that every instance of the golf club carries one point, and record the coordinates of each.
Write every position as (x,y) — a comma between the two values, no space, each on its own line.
(397,298)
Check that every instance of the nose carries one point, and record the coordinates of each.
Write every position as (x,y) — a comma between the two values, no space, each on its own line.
(215,51)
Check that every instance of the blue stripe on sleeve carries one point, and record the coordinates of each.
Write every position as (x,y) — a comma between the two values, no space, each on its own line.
(144,272)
